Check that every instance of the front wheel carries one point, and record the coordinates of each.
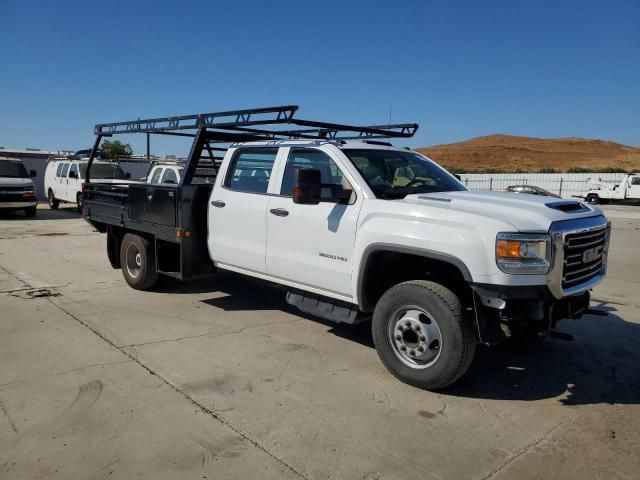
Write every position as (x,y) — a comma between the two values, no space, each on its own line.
(79,202)
(422,335)
(138,262)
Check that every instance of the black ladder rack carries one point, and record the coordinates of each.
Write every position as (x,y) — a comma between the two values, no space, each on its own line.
(240,125)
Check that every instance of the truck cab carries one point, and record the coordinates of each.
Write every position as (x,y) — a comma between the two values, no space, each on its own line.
(357,230)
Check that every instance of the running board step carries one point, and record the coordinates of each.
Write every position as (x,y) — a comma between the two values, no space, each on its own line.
(325,307)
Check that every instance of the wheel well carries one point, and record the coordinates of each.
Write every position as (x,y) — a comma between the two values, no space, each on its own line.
(385,268)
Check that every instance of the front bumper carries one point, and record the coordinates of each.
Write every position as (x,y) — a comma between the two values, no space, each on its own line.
(10,206)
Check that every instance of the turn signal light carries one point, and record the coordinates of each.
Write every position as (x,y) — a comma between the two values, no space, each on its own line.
(508,248)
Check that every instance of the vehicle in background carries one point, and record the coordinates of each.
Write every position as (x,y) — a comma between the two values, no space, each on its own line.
(603,192)
(80,154)
(355,230)
(165,173)
(64,177)
(531,190)
(17,190)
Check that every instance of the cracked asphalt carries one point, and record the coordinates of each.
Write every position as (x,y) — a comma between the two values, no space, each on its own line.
(222,379)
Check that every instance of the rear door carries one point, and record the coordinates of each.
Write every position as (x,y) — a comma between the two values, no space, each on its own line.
(61,182)
(313,244)
(238,209)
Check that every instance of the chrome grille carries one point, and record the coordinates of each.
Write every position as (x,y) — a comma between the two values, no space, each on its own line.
(583,256)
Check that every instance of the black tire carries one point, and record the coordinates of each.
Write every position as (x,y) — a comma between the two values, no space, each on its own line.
(138,262)
(453,355)
(593,199)
(53,203)
(30,212)
(79,202)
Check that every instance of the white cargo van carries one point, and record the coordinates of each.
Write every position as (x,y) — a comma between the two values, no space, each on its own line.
(64,177)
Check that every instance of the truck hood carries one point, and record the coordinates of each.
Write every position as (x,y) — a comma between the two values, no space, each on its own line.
(524,212)
(14,182)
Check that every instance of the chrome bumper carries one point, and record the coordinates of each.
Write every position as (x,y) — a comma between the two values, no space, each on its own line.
(559,232)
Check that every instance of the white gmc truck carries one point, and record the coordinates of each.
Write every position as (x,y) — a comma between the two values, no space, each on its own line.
(356,230)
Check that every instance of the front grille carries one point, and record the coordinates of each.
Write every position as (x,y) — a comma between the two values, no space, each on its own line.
(582,256)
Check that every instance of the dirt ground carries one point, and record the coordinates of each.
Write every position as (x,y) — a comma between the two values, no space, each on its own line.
(511,153)
(222,379)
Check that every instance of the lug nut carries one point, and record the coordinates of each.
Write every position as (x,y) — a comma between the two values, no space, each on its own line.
(398,337)
(407,323)
(403,348)
(423,338)
(417,328)
(421,349)
(412,353)
(400,327)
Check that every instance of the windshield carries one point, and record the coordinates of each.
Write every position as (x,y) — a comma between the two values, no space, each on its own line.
(12,170)
(392,174)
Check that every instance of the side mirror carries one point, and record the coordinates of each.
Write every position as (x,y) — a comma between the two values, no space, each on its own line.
(33,173)
(73,175)
(307,186)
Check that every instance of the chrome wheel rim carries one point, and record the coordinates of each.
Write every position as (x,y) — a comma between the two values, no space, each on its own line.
(415,337)
(133,260)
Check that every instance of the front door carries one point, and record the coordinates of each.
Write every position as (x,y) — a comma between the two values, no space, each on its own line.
(312,244)
(238,209)
(73,183)
(634,187)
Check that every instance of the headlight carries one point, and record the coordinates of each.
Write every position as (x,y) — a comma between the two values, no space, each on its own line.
(523,253)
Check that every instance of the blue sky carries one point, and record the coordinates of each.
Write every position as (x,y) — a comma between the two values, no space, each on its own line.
(460,69)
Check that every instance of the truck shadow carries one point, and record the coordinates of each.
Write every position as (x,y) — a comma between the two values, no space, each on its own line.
(599,366)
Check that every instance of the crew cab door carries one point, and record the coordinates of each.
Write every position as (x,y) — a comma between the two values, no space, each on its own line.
(633,190)
(238,210)
(312,244)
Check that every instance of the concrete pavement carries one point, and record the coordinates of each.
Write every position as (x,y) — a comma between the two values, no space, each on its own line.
(221,379)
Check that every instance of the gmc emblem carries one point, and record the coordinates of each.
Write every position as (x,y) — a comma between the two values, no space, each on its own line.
(591,254)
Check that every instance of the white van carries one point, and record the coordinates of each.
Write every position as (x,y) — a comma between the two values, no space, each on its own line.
(63,179)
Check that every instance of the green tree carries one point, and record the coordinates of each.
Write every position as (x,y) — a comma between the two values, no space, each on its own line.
(112,150)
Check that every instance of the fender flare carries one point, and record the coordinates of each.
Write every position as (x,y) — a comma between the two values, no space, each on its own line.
(420,252)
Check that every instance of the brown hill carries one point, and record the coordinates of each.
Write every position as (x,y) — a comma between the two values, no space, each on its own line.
(513,153)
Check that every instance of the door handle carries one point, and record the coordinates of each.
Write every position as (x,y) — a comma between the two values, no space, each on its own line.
(279,212)
(218,203)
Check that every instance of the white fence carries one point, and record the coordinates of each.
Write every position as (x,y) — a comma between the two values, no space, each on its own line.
(564,184)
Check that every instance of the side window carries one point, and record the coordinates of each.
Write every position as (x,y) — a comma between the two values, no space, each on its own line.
(59,170)
(65,169)
(155,178)
(635,181)
(169,176)
(250,170)
(307,158)
(74,168)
